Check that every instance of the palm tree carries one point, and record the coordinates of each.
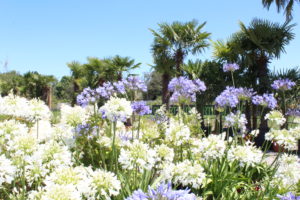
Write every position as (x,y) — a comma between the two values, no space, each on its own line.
(178,39)
(77,74)
(254,47)
(122,64)
(286,5)
(172,43)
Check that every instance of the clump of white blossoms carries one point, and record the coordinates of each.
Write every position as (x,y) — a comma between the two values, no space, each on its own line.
(275,119)
(76,176)
(73,116)
(9,129)
(177,133)
(237,121)
(14,106)
(116,109)
(105,184)
(288,173)
(186,173)
(210,147)
(245,155)
(39,110)
(56,192)
(7,171)
(254,133)
(165,154)
(24,144)
(282,137)
(295,132)
(137,155)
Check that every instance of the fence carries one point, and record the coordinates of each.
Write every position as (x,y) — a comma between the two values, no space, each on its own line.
(207,109)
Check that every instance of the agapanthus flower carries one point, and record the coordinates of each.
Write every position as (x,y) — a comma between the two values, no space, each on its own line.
(134,83)
(282,137)
(184,89)
(186,173)
(116,109)
(231,96)
(283,84)
(163,191)
(237,121)
(293,112)
(266,100)
(275,119)
(288,173)
(210,147)
(230,67)
(137,154)
(86,97)
(246,155)
(288,196)
(141,108)
(7,171)
(177,133)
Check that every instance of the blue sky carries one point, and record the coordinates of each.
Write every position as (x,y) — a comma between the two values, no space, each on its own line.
(44,35)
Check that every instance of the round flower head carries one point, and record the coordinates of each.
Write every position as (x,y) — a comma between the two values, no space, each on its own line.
(236,120)
(230,67)
(162,191)
(283,84)
(140,108)
(134,83)
(184,90)
(116,109)
(231,96)
(275,119)
(266,100)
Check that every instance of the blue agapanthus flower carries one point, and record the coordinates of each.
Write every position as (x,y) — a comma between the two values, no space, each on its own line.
(231,96)
(288,196)
(266,100)
(141,108)
(135,83)
(184,89)
(283,84)
(162,192)
(230,67)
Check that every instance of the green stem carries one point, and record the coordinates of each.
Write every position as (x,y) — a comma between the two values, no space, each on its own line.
(139,126)
(232,78)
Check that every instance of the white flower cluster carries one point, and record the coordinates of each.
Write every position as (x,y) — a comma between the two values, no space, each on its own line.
(7,170)
(186,173)
(16,106)
(73,116)
(288,172)
(137,155)
(116,109)
(275,119)
(245,155)
(177,133)
(236,120)
(210,147)
(282,137)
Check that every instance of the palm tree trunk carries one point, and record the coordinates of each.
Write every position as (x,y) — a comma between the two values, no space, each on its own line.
(179,61)
(165,93)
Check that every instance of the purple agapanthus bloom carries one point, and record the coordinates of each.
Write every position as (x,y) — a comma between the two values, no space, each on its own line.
(293,112)
(288,196)
(87,96)
(231,96)
(184,89)
(134,83)
(267,100)
(230,67)
(163,191)
(283,84)
(141,108)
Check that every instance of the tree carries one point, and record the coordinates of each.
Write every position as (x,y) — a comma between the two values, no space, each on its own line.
(253,47)
(178,39)
(122,64)
(286,5)
(10,81)
(172,43)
